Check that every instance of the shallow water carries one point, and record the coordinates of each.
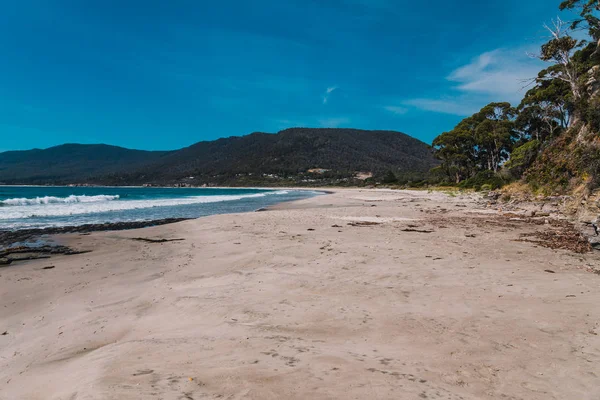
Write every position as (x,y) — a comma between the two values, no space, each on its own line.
(24,207)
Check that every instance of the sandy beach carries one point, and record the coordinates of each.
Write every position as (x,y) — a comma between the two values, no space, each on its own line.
(359,294)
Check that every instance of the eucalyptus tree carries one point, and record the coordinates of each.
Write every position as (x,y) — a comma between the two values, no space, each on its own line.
(588,19)
(457,151)
(545,110)
(482,141)
(495,134)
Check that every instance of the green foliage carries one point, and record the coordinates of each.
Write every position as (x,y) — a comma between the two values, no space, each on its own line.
(555,48)
(389,177)
(586,10)
(592,115)
(553,169)
(486,178)
(522,157)
(480,142)
(553,137)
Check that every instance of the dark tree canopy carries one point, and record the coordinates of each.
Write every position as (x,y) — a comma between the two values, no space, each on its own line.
(480,142)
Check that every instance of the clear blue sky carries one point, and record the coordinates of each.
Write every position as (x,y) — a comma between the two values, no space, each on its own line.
(165,74)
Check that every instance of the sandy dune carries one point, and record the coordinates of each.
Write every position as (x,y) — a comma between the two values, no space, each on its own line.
(354,295)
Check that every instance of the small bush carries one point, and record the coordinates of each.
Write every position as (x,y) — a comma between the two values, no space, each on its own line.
(489,179)
(389,177)
(522,157)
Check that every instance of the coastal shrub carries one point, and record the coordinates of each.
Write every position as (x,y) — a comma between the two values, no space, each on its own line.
(488,178)
(522,157)
(389,177)
(565,164)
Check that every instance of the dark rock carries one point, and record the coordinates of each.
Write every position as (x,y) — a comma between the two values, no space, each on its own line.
(148,240)
(8,238)
(24,253)
(363,223)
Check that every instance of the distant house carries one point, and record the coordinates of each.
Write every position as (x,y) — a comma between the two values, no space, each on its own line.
(317,170)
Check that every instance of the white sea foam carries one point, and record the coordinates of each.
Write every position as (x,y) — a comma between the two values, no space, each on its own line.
(57,200)
(39,207)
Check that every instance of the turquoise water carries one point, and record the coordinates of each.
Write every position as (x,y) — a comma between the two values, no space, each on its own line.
(39,207)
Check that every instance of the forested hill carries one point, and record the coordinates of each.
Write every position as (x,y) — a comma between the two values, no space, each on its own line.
(297,155)
(70,163)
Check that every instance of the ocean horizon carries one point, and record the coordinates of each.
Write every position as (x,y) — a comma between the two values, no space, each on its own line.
(36,207)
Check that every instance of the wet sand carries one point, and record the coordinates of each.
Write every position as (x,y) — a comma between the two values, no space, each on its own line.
(357,294)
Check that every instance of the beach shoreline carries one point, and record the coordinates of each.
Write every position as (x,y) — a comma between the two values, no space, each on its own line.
(360,293)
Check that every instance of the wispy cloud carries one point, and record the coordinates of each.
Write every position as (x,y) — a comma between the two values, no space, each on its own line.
(328,92)
(498,75)
(396,110)
(502,74)
(333,122)
(455,106)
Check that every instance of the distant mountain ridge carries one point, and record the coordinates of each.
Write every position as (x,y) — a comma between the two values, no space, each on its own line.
(288,154)
(70,163)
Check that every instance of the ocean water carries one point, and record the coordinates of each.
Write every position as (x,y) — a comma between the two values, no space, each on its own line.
(24,207)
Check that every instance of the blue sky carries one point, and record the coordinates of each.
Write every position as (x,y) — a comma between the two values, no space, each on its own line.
(166,74)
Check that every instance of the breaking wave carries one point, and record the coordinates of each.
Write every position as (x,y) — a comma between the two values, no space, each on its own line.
(79,205)
(57,200)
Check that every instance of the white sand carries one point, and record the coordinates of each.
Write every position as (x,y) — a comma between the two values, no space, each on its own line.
(258,306)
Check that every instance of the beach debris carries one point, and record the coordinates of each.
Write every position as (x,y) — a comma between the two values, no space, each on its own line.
(49,267)
(559,234)
(336,226)
(4,333)
(310,229)
(595,226)
(363,223)
(71,252)
(25,253)
(143,372)
(149,240)
(417,230)
(549,271)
